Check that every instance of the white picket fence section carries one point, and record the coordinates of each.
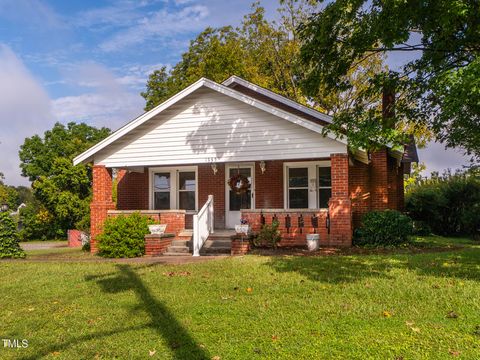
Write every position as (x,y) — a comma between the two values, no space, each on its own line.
(202,225)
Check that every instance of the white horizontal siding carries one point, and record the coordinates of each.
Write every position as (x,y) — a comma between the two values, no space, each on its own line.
(207,126)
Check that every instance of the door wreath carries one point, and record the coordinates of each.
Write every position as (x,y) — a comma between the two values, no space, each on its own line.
(239,183)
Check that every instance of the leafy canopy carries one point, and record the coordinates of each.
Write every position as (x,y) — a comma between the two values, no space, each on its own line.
(62,191)
(264,52)
(438,90)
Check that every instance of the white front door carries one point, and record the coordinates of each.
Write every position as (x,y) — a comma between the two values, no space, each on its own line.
(234,202)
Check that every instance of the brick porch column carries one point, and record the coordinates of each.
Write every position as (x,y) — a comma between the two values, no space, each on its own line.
(340,206)
(379,179)
(101,202)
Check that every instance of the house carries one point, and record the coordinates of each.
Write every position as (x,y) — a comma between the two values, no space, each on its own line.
(214,154)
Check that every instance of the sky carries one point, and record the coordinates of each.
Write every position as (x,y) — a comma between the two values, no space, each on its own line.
(89,60)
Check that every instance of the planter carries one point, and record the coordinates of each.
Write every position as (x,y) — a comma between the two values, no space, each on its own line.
(313,242)
(240,247)
(242,229)
(158,229)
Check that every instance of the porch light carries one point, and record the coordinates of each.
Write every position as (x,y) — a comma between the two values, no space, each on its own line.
(214,168)
(263,166)
(3,208)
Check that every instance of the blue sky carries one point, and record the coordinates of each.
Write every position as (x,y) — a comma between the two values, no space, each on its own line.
(89,60)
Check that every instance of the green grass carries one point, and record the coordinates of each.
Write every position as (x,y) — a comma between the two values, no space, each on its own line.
(360,306)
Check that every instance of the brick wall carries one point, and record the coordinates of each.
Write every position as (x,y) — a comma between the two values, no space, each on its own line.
(101,202)
(210,184)
(269,186)
(175,219)
(339,206)
(132,190)
(295,234)
(379,180)
(359,188)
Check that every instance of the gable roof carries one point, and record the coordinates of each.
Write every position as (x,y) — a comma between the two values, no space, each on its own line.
(269,97)
(221,88)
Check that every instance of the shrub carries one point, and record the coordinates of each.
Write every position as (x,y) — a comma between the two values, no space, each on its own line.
(9,246)
(123,236)
(384,228)
(268,235)
(448,204)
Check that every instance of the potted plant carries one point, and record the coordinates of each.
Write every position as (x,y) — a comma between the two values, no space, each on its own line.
(243,228)
(157,228)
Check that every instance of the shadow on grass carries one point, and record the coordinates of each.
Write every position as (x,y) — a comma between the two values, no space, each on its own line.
(180,342)
(464,264)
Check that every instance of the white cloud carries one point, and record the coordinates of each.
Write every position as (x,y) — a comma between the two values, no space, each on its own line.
(160,24)
(31,12)
(24,111)
(107,103)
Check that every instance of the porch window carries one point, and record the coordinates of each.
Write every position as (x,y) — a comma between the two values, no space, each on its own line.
(298,188)
(174,188)
(324,186)
(308,185)
(162,191)
(186,190)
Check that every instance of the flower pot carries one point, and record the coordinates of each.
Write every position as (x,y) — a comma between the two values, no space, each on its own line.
(242,229)
(313,242)
(157,228)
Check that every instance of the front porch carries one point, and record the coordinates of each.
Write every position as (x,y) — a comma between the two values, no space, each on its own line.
(182,196)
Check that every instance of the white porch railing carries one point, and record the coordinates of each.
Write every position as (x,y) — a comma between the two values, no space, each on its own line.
(202,225)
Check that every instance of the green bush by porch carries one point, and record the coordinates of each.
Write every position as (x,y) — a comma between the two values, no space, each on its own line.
(384,228)
(124,236)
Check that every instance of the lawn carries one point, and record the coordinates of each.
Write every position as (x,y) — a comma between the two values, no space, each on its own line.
(421,303)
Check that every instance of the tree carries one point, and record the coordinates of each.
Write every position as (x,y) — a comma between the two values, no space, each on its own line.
(264,52)
(9,247)
(438,91)
(62,191)
(37,155)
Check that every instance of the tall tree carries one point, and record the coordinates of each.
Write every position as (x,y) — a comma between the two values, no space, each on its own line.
(62,191)
(264,52)
(437,91)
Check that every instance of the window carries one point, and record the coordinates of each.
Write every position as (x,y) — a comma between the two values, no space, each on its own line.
(298,188)
(308,185)
(324,186)
(174,188)
(186,190)
(161,189)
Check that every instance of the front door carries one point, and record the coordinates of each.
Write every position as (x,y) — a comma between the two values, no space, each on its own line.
(235,202)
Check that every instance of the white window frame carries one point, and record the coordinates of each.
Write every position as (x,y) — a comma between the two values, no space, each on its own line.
(174,185)
(313,184)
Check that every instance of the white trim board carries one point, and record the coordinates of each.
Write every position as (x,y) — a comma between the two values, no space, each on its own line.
(87,155)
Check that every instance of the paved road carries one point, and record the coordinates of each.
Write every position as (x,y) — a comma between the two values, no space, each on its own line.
(43,245)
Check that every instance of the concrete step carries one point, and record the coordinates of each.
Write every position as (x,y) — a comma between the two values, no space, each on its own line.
(215,250)
(178,249)
(176,254)
(187,243)
(218,243)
